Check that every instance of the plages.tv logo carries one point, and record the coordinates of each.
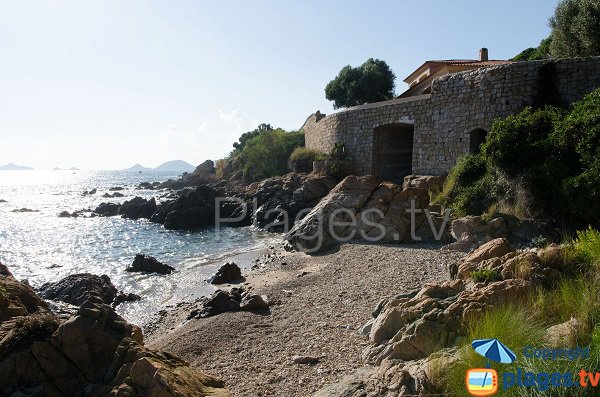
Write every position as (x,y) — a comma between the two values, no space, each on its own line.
(484,381)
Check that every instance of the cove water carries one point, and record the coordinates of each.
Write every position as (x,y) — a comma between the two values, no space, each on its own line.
(41,247)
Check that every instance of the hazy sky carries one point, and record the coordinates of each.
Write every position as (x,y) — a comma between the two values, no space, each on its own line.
(108,83)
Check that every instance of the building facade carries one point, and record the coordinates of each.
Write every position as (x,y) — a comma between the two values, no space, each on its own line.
(426,134)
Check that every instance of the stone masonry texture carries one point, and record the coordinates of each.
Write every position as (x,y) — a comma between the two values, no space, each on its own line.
(459,103)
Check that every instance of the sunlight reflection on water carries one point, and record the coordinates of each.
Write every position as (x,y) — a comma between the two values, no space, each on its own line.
(41,247)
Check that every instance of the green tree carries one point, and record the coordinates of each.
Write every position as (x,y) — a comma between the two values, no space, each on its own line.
(575,29)
(373,81)
(537,53)
(246,136)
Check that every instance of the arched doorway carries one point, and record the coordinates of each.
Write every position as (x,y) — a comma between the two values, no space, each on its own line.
(392,151)
(476,139)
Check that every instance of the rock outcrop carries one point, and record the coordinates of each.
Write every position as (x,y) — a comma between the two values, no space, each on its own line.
(365,208)
(107,209)
(93,353)
(280,200)
(222,301)
(192,210)
(227,273)
(138,208)
(76,289)
(149,264)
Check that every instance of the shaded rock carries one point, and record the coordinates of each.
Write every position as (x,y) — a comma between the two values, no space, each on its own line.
(78,288)
(313,233)
(2,201)
(89,192)
(252,303)
(17,298)
(149,264)
(219,302)
(207,167)
(235,213)
(192,210)
(67,214)
(25,210)
(94,353)
(227,273)
(281,200)
(125,297)
(116,188)
(364,208)
(107,209)
(305,359)
(138,208)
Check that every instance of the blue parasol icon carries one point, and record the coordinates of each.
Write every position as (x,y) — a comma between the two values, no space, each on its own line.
(494,350)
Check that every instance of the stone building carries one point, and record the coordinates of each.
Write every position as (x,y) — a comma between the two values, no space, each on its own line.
(427,133)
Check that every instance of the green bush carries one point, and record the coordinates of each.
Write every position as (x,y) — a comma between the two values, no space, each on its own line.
(469,187)
(485,276)
(587,246)
(306,154)
(266,155)
(542,162)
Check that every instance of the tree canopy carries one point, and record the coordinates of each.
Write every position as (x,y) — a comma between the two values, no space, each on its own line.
(575,29)
(373,81)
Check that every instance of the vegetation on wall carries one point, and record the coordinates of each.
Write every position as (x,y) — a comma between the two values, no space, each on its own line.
(543,162)
(373,81)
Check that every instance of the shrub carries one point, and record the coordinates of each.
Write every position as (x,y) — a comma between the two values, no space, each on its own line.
(587,246)
(266,155)
(30,328)
(306,154)
(543,162)
(486,276)
(468,188)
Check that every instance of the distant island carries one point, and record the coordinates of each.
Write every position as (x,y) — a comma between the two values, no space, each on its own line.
(14,167)
(65,169)
(174,165)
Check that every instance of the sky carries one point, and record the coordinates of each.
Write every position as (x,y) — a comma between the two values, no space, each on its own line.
(105,84)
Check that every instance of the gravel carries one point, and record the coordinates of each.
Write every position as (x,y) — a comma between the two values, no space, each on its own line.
(316,316)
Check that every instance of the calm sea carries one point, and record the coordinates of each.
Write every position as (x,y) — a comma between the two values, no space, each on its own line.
(41,247)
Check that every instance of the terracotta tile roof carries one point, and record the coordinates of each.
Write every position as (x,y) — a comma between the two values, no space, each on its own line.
(469,62)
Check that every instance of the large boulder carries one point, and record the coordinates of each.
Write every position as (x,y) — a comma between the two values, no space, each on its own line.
(17,298)
(149,264)
(207,167)
(280,200)
(492,249)
(78,288)
(93,353)
(364,208)
(313,232)
(414,326)
(138,208)
(227,273)
(192,210)
(107,209)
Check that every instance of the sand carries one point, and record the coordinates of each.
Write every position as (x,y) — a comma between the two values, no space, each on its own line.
(318,305)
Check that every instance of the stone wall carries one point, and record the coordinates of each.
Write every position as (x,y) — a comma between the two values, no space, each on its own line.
(458,104)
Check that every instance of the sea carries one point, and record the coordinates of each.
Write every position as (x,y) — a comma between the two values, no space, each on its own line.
(41,247)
